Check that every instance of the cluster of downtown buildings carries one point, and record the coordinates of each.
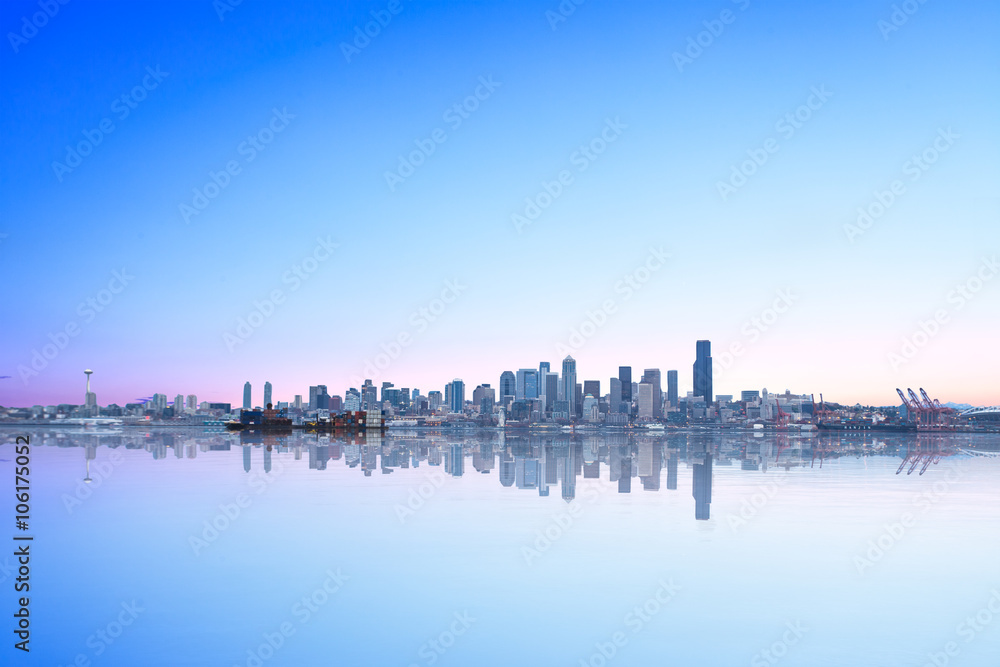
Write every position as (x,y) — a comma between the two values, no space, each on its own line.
(541,395)
(528,396)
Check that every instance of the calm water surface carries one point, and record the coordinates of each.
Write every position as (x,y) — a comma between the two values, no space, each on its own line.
(190,548)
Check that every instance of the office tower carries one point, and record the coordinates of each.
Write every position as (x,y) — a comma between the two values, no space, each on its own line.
(625,376)
(297,403)
(386,386)
(482,399)
(369,396)
(749,396)
(569,384)
(590,408)
(551,381)
(267,393)
(352,400)
(336,404)
(457,396)
(672,388)
(645,400)
(543,369)
(313,390)
(615,395)
(526,384)
(434,400)
(322,398)
(192,402)
(178,405)
(703,370)
(592,387)
(702,488)
(652,376)
(247,404)
(416,392)
(508,384)
(579,400)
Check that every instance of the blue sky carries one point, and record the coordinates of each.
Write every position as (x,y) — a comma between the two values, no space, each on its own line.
(857,297)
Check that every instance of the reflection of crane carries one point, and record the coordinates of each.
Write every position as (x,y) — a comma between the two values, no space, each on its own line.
(781,421)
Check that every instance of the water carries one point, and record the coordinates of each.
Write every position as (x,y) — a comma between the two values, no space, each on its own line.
(485,549)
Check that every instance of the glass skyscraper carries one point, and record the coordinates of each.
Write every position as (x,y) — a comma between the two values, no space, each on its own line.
(703,370)
(569,383)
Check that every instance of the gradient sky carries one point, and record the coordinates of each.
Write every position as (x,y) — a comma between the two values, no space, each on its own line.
(323,176)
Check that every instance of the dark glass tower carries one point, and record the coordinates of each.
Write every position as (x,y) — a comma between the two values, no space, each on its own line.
(672,388)
(625,376)
(703,370)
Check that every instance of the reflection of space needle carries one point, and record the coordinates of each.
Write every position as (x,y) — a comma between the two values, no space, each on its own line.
(88,455)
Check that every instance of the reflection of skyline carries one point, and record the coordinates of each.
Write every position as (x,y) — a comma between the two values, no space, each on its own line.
(527,463)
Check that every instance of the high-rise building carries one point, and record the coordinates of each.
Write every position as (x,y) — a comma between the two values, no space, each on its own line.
(434,400)
(672,388)
(527,384)
(551,382)
(352,400)
(592,387)
(456,403)
(192,402)
(369,395)
(615,397)
(646,400)
(569,384)
(625,376)
(247,402)
(267,393)
(652,376)
(297,403)
(543,368)
(178,405)
(703,370)
(508,384)
(482,399)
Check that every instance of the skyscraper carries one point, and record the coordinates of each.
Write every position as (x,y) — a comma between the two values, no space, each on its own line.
(703,370)
(616,395)
(672,388)
(592,387)
(646,400)
(569,383)
(178,405)
(625,376)
(527,384)
(456,396)
(652,376)
(551,382)
(543,369)
(508,384)
(267,393)
(247,404)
